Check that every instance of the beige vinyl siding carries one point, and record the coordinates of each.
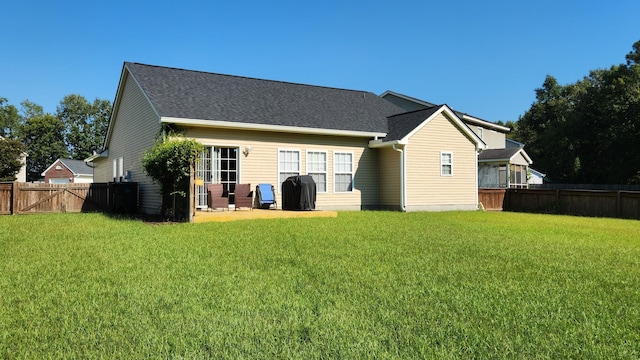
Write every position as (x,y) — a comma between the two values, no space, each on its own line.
(493,139)
(426,188)
(390,178)
(519,160)
(102,170)
(261,165)
(134,130)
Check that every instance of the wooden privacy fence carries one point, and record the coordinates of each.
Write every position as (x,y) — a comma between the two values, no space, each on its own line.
(491,199)
(600,203)
(29,198)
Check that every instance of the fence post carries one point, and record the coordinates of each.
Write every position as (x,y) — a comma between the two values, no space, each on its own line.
(618,204)
(506,205)
(14,198)
(63,200)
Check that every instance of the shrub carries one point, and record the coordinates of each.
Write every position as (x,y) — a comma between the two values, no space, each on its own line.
(170,162)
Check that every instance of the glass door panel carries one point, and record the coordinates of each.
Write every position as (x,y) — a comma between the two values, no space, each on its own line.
(225,162)
(203,171)
(217,165)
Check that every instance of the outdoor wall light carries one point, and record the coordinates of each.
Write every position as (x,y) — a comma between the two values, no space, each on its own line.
(247,150)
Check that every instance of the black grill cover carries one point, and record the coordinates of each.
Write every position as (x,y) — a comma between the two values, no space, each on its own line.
(299,193)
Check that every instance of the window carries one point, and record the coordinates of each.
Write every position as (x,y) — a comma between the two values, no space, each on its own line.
(225,167)
(518,177)
(502,176)
(342,172)
(317,169)
(480,132)
(288,165)
(446,164)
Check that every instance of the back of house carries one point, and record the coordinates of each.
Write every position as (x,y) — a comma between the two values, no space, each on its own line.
(358,147)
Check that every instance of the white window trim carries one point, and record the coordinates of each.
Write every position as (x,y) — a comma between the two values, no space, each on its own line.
(353,185)
(442,164)
(326,167)
(214,168)
(299,151)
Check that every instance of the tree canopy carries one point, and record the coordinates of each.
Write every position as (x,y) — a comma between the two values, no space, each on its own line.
(85,124)
(585,132)
(44,139)
(9,120)
(75,131)
(11,154)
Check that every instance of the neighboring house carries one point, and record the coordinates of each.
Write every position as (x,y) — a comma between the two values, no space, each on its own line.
(503,168)
(510,143)
(21,176)
(65,171)
(536,177)
(503,164)
(363,151)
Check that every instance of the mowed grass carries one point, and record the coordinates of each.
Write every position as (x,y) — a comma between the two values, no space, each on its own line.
(362,285)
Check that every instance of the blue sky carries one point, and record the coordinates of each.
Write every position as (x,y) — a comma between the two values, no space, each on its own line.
(485,58)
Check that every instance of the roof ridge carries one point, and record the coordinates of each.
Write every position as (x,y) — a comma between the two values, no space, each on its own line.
(251,78)
(461,113)
(67,159)
(415,111)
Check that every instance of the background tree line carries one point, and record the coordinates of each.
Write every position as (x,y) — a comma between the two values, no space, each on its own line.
(586,132)
(75,130)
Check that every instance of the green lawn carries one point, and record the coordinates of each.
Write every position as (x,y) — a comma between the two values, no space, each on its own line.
(362,285)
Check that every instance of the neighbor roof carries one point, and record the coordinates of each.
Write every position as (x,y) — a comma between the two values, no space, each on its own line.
(463,116)
(77,167)
(502,155)
(196,95)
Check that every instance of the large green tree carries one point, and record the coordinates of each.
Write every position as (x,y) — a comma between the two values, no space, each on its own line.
(29,109)
(11,158)
(44,138)
(9,120)
(586,131)
(85,124)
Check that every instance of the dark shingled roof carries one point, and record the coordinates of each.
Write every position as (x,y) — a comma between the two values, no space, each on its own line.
(200,95)
(401,125)
(497,154)
(78,167)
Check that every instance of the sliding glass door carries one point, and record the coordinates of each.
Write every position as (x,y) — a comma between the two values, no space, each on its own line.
(217,165)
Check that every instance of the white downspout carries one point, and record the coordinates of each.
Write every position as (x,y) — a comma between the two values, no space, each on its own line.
(403,195)
(478,151)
